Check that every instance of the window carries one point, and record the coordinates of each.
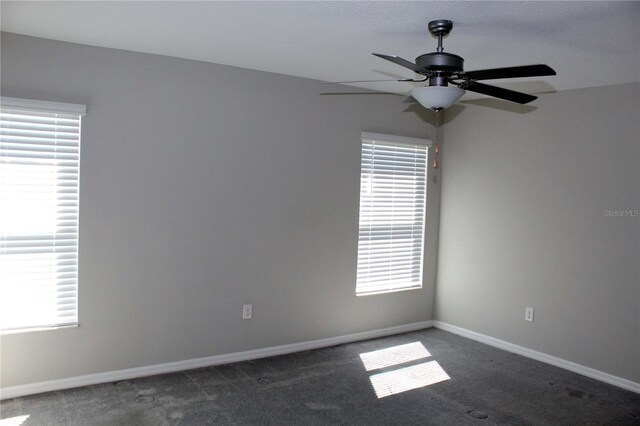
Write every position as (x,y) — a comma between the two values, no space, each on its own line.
(39,171)
(392,213)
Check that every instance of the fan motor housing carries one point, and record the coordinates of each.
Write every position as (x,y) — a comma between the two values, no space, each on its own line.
(440,61)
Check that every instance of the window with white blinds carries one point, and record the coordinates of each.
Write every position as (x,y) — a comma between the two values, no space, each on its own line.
(393,186)
(39,172)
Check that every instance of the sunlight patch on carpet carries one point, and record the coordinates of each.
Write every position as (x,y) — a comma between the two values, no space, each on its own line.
(408,378)
(14,421)
(393,356)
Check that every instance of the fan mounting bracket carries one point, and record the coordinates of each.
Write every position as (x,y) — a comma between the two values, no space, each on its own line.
(440,27)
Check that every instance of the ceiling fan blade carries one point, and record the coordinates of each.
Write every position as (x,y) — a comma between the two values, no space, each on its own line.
(498,92)
(369,81)
(402,62)
(509,72)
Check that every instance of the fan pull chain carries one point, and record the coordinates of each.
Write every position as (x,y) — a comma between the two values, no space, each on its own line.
(437,145)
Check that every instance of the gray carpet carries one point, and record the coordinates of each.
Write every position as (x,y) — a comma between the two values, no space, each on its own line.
(332,387)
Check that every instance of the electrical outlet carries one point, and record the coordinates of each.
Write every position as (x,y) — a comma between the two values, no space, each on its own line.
(247,311)
(528,314)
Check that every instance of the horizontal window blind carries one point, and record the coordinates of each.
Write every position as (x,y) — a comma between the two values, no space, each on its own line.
(392,216)
(39,173)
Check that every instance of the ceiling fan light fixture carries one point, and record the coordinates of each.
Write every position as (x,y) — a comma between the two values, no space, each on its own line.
(437,97)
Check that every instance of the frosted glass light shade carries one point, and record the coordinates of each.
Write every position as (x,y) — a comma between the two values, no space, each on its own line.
(437,97)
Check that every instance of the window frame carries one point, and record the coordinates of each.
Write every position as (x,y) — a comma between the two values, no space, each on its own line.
(369,137)
(31,109)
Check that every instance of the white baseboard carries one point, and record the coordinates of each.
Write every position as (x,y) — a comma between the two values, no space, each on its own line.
(539,356)
(131,373)
(170,367)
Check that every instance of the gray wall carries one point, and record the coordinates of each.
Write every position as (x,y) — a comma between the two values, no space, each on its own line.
(204,187)
(524,198)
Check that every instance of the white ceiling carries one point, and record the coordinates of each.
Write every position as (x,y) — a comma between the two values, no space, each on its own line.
(588,43)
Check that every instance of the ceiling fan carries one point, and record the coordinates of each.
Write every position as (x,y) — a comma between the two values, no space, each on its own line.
(448,81)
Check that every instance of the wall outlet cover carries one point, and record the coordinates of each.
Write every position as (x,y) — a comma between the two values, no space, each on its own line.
(528,314)
(247,311)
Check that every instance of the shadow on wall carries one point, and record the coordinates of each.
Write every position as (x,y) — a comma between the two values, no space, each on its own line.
(425,114)
(502,105)
(452,112)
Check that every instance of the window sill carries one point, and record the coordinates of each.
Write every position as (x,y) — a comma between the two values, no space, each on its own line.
(32,329)
(395,290)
